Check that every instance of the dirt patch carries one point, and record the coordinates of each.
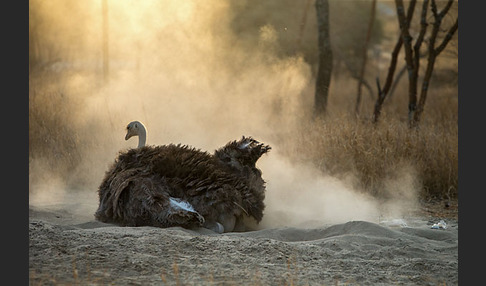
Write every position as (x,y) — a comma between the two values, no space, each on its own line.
(67,249)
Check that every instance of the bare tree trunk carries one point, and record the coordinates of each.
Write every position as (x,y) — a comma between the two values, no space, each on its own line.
(396,81)
(106,62)
(391,69)
(323,79)
(409,59)
(413,75)
(433,53)
(399,76)
(412,55)
(365,56)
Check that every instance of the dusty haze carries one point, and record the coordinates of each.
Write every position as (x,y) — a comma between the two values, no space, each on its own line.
(178,67)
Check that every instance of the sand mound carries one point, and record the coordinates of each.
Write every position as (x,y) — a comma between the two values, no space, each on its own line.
(66,248)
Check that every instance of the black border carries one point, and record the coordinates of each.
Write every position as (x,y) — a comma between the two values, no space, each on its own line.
(472,91)
(15,139)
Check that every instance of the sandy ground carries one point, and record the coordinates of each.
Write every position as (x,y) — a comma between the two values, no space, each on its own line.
(68,247)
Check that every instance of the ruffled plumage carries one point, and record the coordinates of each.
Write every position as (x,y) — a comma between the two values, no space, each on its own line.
(148,186)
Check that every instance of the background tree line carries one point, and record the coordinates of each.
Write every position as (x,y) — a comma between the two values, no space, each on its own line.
(347,33)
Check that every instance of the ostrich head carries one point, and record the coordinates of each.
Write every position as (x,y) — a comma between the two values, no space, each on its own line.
(136,128)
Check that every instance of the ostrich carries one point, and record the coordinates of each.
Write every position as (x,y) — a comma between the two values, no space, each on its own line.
(178,185)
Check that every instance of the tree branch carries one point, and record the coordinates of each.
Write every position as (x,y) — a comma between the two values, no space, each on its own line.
(433,53)
(393,63)
(445,10)
(365,53)
(447,38)
(324,69)
(407,42)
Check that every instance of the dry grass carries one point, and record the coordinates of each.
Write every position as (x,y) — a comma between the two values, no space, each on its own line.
(339,145)
(342,145)
(52,140)
(377,154)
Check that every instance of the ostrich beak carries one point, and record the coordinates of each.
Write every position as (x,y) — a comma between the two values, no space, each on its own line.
(128,136)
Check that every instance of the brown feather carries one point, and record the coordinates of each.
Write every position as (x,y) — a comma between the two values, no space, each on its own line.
(137,188)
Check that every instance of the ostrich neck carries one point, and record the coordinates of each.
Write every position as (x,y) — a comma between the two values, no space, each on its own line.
(142,137)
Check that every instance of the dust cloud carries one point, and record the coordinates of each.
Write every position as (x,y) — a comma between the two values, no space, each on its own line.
(299,195)
(179,68)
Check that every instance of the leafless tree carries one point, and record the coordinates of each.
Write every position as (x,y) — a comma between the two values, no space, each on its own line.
(323,79)
(433,53)
(412,55)
(365,53)
(382,93)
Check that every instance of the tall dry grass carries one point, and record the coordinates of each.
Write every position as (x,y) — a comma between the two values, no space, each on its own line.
(52,141)
(373,155)
(55,141)
(339,145)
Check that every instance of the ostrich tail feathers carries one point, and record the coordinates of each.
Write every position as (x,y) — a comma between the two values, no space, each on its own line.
(246,151)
